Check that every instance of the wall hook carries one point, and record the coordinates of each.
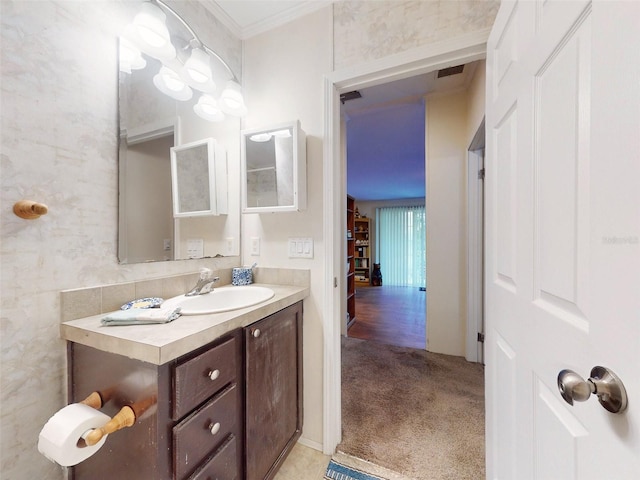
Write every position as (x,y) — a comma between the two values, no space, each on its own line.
(29,210)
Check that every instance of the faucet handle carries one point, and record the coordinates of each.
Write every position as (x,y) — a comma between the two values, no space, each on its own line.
(205,273)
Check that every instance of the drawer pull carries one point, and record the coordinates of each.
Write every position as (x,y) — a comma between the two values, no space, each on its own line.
(215,428)
(214,374)
(256,332)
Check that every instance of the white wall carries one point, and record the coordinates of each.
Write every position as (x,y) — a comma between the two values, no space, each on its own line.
(283,71)
(446,227)
(476,100)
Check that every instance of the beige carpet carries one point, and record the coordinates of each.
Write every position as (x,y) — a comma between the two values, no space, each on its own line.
(417,413)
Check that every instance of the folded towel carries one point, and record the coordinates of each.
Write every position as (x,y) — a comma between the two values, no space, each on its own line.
(141,316)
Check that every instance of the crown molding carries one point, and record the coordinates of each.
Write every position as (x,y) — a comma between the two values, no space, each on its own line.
(267,24)
(284,17)
(223,17)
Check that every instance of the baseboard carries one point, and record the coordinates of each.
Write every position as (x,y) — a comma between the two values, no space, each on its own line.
(310,443)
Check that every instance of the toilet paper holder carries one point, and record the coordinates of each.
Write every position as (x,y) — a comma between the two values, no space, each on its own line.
(126,417)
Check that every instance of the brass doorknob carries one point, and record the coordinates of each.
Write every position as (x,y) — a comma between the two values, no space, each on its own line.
(603,382)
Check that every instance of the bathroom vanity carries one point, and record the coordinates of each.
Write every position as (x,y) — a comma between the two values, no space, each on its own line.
(216,396)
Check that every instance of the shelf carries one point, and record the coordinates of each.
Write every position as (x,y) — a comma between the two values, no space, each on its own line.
(351,260)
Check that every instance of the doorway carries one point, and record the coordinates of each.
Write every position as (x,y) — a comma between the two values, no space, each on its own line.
(385,175)
(447,116)
(418,61)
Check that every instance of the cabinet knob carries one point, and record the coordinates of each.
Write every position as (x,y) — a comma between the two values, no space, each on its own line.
(215,428)
(256,332)
(214,374)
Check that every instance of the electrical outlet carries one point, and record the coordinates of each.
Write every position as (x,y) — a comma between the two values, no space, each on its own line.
(167,244)
(230,249)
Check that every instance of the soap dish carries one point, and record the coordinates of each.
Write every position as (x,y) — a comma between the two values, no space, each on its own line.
(149,302)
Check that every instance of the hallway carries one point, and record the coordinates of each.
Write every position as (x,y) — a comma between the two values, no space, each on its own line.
(390,315)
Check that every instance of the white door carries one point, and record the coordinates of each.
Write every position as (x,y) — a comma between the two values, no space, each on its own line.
(562,236)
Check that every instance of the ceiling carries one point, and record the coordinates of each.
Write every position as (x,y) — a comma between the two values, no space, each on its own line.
(386,135)
(385,127)
(247,18)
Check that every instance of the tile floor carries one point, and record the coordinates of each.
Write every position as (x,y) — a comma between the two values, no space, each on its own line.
(303,463)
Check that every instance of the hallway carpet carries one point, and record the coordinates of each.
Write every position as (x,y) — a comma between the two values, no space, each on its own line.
(417,413)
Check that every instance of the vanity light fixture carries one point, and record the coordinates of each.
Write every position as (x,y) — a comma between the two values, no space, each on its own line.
(186,70)
(169,83)
(207,108)
(197,66)
(130,57)
(231,100)
(150,33)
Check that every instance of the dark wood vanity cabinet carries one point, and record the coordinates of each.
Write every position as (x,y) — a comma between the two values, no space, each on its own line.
(189,413)
(273,396)
(231,410)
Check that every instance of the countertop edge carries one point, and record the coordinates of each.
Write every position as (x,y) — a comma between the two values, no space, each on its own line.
(162,343)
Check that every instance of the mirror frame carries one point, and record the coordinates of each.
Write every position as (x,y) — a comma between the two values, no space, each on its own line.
(299,168)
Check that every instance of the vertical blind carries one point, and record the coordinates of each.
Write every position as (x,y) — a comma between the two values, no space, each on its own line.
(401,245)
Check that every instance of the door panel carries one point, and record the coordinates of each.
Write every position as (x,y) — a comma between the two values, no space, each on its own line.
(563,229)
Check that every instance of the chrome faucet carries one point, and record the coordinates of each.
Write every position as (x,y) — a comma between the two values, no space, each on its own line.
(204,285)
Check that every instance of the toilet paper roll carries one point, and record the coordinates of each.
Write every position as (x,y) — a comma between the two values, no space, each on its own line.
(61,439)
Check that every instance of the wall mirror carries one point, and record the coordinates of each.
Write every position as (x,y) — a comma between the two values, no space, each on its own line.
(151,123)
(199,179)
(274,167)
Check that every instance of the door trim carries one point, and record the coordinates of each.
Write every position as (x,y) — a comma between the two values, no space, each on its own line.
(448,53)
(475,248)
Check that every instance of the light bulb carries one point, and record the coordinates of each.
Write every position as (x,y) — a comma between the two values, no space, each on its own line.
(151,26)
(169,83)
(260,137)
(207,108)
(197,66)
(130,57)
(231,100)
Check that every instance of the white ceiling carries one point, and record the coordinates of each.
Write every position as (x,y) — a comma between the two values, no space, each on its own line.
(246,18)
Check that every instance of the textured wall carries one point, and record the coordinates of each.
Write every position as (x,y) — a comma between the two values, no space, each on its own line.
(59,123)
(368,30)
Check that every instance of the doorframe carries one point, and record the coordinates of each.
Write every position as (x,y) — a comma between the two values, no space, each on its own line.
(424,59)
(475,247)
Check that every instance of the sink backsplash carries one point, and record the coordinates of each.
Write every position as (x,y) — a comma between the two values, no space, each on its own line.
(85,302)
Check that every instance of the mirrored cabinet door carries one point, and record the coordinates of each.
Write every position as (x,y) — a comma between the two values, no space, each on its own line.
(199,179)
(274,169)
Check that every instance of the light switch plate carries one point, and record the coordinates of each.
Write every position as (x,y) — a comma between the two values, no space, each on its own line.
(300,247)
(230,246)
(255,245)
(195,248)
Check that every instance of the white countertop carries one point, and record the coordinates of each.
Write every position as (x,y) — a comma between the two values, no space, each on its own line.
(161,343)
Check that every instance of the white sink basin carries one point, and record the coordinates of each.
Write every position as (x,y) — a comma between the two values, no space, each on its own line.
(222,299)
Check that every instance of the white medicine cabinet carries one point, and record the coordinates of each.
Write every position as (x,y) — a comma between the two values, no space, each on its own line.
(274,169)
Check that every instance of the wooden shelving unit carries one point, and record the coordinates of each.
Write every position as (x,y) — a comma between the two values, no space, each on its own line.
(351,245)
(362,258)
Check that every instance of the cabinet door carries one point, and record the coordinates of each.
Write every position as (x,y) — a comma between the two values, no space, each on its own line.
(273,369)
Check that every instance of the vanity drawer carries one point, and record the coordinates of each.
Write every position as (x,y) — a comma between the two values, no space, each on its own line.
(223,465)
(200,377)
(201,433)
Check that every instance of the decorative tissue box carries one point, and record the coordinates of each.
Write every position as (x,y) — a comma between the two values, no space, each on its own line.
(242,276)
